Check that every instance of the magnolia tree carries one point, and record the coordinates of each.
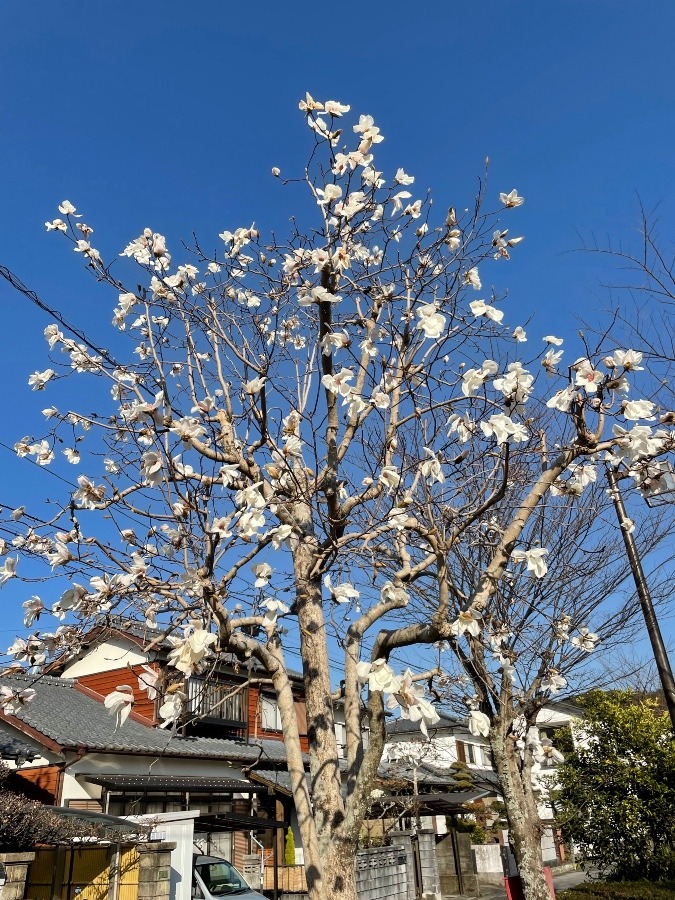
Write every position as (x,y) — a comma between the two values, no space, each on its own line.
(533,634)
(292,435)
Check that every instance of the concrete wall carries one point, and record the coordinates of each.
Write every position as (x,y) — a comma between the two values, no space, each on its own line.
(489,863)
(381,872)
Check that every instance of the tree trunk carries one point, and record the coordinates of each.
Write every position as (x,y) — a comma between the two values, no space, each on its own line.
(525,828)
(338,881)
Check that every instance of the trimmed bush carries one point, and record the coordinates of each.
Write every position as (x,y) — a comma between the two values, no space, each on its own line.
(621,890)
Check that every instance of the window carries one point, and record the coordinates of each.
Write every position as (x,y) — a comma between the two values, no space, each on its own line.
(341,738)
(271,717)
(470,753)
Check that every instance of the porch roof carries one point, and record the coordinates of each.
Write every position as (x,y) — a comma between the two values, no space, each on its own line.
(175,783)
(234,822)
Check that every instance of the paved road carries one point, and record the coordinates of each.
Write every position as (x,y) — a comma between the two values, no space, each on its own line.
(560,883)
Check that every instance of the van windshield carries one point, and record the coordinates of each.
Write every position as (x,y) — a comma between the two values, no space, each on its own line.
(220,878)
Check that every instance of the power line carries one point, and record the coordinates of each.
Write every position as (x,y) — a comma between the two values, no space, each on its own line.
(29,294)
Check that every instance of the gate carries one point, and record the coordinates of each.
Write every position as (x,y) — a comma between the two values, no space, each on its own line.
(84,873)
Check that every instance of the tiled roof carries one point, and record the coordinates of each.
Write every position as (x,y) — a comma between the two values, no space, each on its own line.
(11,748)
(72,719)
(407,727)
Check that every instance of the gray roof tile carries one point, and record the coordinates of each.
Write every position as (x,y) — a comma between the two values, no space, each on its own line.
(73,719)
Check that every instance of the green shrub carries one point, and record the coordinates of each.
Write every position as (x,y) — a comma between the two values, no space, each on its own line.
(289,849)
(621,890)
(478,835)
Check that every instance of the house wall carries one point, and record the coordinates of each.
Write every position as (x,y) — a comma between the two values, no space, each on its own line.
(112,654)
(255,722)
(39,782)
(106,682)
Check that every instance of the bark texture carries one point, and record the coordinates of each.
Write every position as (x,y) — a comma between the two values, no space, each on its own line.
(525,828)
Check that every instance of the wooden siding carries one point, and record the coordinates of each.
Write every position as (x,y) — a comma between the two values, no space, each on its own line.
(106,682)
(255,726)
(39,783)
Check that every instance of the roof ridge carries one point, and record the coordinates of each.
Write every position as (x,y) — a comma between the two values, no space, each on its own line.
(36,678)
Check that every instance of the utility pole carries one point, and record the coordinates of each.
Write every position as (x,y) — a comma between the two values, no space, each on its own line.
(653,630)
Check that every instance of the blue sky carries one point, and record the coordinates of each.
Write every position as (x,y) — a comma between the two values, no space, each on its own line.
(172,114)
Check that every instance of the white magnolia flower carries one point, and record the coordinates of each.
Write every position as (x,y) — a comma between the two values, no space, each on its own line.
(379,675)
(250,522)
(72,455)
(188,428)
(11,701)
(254,386)
(585,640)
(474,379)
(469,621)
(637,409)
(263,573)
(389,476)
(189,651)
(504,429)
(561,628)
(471,277)
(33,609)
(119,703)
(151,468)
(511,199)
(431,468)
(56,225)
(481,308)
(66,208)
(551,359)
(172,708)
(221,527)
(582,475)
(552,339)
(273,609)
(479,723)
(409,698)
(280,536)
(586,376)
(625,359)
(70,599)
(342,592)
(535,559)
(333,108)
(88,495)
(553,681)
(8,569)
(334,340)
(338,383)
(562,399)
(38,380)
(463,426)
(431,321)
(148,679)
(30,650)
(402,178)
(519,334)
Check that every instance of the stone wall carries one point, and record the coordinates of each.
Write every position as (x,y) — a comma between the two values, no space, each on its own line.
(154,870)
(16,869)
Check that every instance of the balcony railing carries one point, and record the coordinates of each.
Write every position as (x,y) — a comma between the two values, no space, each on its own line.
(217,702)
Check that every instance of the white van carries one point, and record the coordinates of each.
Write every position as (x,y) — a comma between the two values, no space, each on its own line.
(214,878)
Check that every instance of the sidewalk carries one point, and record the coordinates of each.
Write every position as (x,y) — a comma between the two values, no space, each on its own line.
(561,883)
